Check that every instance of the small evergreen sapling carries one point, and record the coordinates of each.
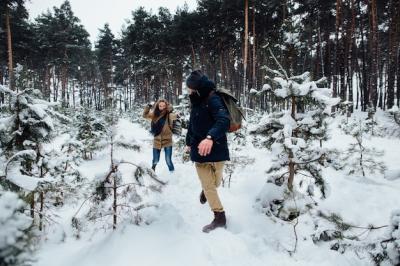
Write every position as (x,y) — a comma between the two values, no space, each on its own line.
(183,109)
(30,168)
(295,137)
(358,158)
(90,131)
(113,197)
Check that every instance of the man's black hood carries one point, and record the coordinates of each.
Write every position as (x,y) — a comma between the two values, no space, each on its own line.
(202,86)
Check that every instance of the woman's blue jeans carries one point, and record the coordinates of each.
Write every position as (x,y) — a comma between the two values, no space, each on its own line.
(168,157)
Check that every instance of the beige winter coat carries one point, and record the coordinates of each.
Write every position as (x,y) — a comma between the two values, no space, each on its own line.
(164,139)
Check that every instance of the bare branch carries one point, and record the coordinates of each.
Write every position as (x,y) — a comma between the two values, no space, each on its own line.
(76,213)
(277,62)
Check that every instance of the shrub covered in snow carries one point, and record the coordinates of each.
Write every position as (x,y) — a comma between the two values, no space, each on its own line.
(15,234)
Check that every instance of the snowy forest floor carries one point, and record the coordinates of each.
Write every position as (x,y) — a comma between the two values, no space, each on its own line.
(174,236)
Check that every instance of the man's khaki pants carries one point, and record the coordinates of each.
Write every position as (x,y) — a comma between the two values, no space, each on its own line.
(210,175)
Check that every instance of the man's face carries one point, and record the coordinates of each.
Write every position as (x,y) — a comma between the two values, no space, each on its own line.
(162,106)
(192,91)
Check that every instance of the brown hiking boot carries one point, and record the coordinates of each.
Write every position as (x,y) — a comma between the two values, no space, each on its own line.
(219,221)
(203,198)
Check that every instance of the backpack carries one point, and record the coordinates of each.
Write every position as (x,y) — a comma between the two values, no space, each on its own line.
(176,127)
(234,110)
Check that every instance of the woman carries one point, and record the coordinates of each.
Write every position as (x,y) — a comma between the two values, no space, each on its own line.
(161,127)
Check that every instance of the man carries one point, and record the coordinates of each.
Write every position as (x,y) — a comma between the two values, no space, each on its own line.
(206,140)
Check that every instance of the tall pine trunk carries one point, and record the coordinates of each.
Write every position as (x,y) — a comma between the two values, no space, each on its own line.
(393,47)
(336,52)
(254,71)
(291,155)
(373,53)
(246,48)
(10,51)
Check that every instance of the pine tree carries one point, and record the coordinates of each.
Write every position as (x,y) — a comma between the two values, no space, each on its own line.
(29,168)
(113,196)
(90,131)
(9,7)
(295,137)
(64,42)
(359,159)
(106,52)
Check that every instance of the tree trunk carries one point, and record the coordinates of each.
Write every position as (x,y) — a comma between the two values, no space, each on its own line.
(350,62)
(10,52)
(193,58)
(291,155)
(398,76)
(254,77)
(364,76)
(393,47)
(32,203)
(47,82)
(115,202)
(373,51)
(41,211)
(246,47)
(63,85)
(336,56)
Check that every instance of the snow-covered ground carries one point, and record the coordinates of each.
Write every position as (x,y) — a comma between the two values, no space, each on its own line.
(252,238)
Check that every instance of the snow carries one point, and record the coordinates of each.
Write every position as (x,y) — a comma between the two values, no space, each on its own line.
(16,177)
(173,235)
(26,182)
(392,174)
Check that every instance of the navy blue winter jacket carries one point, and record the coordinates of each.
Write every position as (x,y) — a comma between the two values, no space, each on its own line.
(209,118)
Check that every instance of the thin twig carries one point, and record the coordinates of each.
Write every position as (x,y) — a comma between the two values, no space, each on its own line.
(153,177)
(311,161)
(135,184)
(83,204)
(277,62)
(294,226)
(369,228)
(43,215)
(138,208)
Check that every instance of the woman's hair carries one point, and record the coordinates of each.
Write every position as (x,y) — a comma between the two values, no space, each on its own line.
(157,111)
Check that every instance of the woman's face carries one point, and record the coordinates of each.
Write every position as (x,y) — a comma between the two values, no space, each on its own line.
(162,106)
